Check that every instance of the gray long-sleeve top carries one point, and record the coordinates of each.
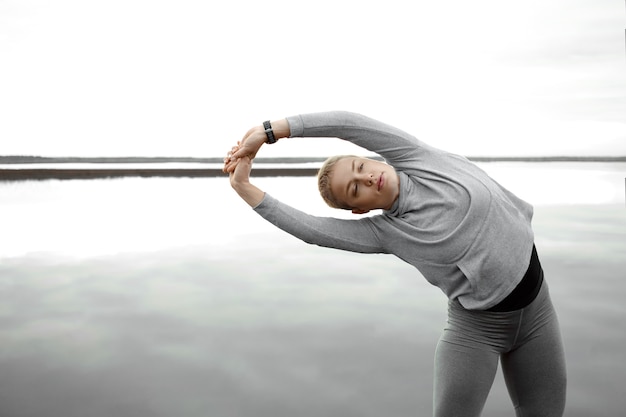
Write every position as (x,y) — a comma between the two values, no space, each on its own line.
(463,231)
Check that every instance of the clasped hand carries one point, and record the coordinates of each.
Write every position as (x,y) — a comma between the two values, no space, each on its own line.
(238,161)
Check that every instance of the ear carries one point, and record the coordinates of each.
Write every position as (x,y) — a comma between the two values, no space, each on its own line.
(359,211)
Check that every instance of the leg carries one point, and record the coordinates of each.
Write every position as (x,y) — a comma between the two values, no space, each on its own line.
(463,378)
(535,370)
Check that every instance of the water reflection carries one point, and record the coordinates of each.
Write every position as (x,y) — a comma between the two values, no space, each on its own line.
(170,297)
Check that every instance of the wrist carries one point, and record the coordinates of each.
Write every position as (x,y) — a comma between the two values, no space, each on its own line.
(271,131)
(240,185)
(249,193)
(281,128)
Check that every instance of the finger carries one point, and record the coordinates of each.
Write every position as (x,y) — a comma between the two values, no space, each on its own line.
(231,162)
(229,155)
(238,153)
(230,168)
(228,162)
(233,150)
(243,152)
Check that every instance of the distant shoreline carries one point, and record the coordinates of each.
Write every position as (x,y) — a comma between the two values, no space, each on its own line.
(26,159)
(15,172)
(84,174)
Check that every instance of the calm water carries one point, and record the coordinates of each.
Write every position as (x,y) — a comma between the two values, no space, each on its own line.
(162,297)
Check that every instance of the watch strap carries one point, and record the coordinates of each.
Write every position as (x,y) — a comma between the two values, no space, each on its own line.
(269,132)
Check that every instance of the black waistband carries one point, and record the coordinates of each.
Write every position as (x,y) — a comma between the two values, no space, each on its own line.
(526,290)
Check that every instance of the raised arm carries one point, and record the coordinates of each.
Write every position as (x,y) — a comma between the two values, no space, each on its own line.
(351,235)
(391,143)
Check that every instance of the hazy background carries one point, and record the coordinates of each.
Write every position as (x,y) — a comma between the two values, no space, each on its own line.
(189,77)
(161,297)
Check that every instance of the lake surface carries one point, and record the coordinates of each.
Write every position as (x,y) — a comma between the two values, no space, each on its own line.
(162,297)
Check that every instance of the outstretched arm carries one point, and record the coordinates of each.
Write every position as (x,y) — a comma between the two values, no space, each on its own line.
(351,235)
(393,144)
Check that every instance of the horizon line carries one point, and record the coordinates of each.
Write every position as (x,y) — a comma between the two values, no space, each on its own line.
(32,159)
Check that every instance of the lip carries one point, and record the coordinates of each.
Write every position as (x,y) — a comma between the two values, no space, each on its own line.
(381,182)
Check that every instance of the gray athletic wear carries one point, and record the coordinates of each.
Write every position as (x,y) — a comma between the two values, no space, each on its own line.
(464,232)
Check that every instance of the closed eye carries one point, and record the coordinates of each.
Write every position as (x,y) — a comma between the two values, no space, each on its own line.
(356,185)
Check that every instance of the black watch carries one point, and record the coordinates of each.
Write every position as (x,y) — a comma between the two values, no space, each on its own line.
(269,132)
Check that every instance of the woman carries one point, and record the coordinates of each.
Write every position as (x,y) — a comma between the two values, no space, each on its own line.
(464,232)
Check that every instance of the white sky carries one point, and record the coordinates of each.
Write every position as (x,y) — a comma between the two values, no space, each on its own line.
(189,77)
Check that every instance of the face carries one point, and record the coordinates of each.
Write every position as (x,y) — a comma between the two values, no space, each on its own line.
(364,184)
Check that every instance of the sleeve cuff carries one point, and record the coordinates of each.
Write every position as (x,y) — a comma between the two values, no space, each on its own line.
(296,126)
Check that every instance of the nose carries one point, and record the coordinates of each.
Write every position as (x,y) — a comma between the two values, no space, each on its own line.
(367,179)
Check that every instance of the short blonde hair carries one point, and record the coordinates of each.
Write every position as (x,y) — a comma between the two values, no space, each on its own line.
(324,177)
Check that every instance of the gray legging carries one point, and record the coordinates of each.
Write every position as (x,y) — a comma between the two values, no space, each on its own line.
(528,344)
